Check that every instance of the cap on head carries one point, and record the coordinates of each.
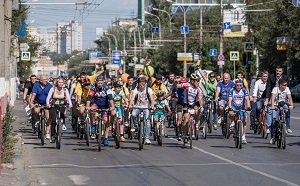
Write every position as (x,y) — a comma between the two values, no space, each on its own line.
(118,84)
(238,80)
(99,78)
(159,76)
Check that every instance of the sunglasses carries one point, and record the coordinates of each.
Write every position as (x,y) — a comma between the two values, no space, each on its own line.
(238,85)
(284,85)
(212,76)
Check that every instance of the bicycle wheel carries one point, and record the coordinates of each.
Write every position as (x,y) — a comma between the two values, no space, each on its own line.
(117,134)
(156,132)
(132,129)
(191,134)
(159,138)
(99,135)
(279,134)
(87,131)
(196,131)
(227,122)
(236,135)
(283,140)
(141,130)
(78,127)
(42,125)
(240,124)
(210,121)
(58,133)
(255,128)
(205,129)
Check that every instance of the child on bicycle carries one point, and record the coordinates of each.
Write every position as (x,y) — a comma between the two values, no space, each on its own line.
(160,105)
(120,102)
(280,95)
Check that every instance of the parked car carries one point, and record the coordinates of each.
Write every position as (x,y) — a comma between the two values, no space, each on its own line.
(295,91)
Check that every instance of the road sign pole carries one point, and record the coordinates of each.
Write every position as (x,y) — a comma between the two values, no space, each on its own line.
(184,35)
(221,38)
(233,68)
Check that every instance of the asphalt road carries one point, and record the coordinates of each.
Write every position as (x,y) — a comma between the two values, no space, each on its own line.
(212,161)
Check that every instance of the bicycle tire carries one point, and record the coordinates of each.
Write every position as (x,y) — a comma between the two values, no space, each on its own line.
(279,134)
(117,134)
(196,132)
(191,134)
(155,135)
(87,131)
(240,124)
(42,130)
(39,130)
(159,139)
(283,140)
(141,130)
(236,135)
(32,120)
(58,134)
(99,134)
(205,129)
(210,121)
(255,127)
(227,127)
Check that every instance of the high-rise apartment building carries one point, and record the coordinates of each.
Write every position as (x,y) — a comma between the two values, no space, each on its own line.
(46,36)
(69,37)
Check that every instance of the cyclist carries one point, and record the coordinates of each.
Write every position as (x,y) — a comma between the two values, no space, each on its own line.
(40,91)
(142,97)
(57,96)
(210,87)
(221,97)
(28,88)
(279,94)
(193,98)
(102,99)
(253,104)
(259,95)
(170,82)
(160,106)
(240,75)
(181,106)
(120,101)
(237,98)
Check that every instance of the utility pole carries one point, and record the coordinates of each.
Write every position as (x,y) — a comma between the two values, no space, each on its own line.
(201,29)
(221,37)
(2,48)
(184,63)
(134,38)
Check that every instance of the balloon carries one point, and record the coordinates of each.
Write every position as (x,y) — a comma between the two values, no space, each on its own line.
(124,77)
(151,70)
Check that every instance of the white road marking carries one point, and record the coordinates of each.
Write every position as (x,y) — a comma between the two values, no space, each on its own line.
(79,179)
(244,166)
(293,117)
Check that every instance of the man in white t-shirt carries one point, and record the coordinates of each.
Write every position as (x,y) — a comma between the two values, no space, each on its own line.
(141,101)
(279,94)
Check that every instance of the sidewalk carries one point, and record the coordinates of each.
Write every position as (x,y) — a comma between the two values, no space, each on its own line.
(15,174)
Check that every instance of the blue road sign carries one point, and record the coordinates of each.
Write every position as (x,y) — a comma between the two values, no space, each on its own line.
(116,57)
(227,25)
(296,3)
(22,29)
(154,29)
(95,55)
(196,56)
(212,52)
(248,46)
(184,29)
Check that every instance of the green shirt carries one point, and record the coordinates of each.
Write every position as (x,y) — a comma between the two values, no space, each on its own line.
(210,88)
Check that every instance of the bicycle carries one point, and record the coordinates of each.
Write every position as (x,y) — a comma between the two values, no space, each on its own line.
(225,124)
(159,131)
(87,128)
(117,131)
(191,123)
(141,118)
(238,128)
(261,127)
(100,126)
(58,127)
(41,125)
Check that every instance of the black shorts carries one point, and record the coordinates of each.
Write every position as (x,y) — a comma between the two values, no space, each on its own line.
(181,107)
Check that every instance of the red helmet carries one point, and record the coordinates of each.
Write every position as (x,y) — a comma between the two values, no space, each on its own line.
(182,80)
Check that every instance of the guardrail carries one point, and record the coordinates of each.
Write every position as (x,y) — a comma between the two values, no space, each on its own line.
(3,105)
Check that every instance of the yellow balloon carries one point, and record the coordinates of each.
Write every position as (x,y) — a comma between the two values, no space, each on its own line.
(151,70)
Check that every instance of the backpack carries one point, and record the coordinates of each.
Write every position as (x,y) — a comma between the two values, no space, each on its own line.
(147,93)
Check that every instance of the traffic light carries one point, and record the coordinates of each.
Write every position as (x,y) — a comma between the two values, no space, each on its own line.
(244,58)
(249,62)
(248,67)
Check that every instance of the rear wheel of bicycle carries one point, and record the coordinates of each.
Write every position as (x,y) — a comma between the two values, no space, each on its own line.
(236,135)
(141,130)
(58,134)
(156,132)
(99,135)
(210,122)
(191,134)
(159,139)
(240,124)
(205,129)
(255,128)
(117,135)
(283,140)
(227,122)
(42,131)
(87,131)
(279,134)
(196,133)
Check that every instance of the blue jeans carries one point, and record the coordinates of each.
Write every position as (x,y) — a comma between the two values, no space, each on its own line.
(259,105)
(275,119)
(135,113)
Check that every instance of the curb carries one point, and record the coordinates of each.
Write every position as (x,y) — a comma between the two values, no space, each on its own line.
(19,164)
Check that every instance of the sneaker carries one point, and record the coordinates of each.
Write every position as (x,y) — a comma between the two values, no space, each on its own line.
(147,142)
(122,138)
(193,136)
(52,140)
(215,126)
(268,131)
(289,131)
(48,137)
(105,142)
(93,136)
(166,135)
(93,128)
(126,124)
(272,141)
(179,138)
(220,120)
(64,128)
(244,141)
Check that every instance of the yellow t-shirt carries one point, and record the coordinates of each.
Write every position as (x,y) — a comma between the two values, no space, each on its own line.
(84,93)
(156,88)
(245,83)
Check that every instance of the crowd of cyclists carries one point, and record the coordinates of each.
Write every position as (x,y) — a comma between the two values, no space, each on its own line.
(123,99)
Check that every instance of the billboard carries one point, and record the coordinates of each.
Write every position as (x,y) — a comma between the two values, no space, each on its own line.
(95,57)
(234,23)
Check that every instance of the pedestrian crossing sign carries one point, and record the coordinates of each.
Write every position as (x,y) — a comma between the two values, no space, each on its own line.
(234,55)
(25,56)
(248,46)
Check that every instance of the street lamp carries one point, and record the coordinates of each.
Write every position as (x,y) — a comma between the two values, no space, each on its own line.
(109,48)
(116,41)
(159,30)
(170,18)
(150,28)
(184,35)
(124,46)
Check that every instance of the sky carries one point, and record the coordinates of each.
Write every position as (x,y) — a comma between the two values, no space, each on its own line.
(89,17)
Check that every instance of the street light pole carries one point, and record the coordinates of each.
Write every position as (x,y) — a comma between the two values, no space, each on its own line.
(109,48)
(221,37)
(184,37)
(201,28)
(170,18)
(116,41)
(150,26)
(134,61)
(124,48)
(159,30)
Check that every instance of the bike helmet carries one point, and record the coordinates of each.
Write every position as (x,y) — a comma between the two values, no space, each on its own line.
(182,80)
(239,80)
(118,84)
(160,93)
(194,77)
(100,78)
